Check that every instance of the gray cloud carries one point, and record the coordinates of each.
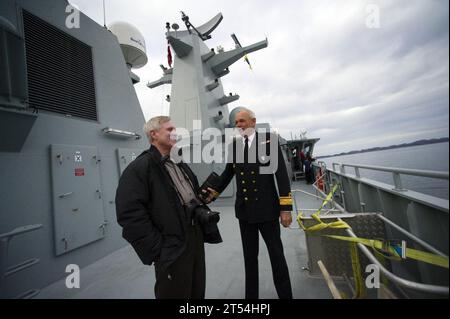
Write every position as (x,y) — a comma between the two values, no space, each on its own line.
(324,71)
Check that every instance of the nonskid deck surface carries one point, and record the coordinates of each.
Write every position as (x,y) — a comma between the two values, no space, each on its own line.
(122,275)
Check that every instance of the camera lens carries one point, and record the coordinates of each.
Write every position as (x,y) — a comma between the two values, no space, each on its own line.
(206,217)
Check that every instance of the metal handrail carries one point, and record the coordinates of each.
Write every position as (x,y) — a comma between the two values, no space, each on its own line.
(412,236)
(441,290)
(441,204)
(404,171)
(5,238)
(19,231)
(402,230)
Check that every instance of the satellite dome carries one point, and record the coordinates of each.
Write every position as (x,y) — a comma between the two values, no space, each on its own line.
(131,42)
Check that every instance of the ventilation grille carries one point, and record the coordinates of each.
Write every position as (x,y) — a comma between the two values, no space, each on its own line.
(59,69)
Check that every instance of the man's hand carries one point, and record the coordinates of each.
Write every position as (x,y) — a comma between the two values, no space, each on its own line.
(209,195)
(286,218)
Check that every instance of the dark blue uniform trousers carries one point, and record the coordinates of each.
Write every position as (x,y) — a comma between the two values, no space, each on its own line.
(270,232)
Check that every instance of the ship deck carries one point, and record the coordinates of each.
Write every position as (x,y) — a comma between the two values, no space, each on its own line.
(122,275)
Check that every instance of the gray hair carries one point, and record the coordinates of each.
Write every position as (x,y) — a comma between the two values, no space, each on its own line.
(248,111)
(154,124)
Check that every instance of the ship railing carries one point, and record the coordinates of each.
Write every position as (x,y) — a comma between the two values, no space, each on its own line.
(395,172)
(417,286)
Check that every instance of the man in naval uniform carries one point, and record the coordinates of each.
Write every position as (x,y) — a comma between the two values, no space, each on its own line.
(259,206)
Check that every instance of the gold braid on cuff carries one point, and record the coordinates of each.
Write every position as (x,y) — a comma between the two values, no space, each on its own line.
(286,200)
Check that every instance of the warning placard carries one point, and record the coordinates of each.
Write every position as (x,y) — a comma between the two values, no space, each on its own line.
(79,171)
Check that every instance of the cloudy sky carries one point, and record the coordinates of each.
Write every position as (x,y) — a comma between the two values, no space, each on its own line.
(355,73)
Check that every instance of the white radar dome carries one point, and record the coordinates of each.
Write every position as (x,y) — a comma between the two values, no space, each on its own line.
(132,43)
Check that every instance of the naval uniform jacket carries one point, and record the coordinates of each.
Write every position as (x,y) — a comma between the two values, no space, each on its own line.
(150,212)
(257,199)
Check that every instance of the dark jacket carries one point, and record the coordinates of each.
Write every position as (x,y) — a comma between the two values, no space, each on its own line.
(257,199)
(149,210)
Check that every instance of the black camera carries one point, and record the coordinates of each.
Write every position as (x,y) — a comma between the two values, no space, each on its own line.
(213,181)
(200,213)
(206,217)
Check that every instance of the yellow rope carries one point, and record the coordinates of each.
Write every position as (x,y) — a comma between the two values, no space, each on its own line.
(392,251)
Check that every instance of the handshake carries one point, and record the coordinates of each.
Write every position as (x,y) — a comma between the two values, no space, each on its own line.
(207,192)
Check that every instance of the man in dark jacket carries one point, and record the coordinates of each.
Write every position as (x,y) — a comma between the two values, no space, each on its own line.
(258,204)
(152,203)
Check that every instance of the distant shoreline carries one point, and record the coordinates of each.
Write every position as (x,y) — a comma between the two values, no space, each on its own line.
(374,149)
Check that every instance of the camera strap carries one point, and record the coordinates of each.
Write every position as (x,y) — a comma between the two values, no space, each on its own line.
(182,183)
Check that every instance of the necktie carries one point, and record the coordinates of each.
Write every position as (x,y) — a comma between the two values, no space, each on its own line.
(246,150)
